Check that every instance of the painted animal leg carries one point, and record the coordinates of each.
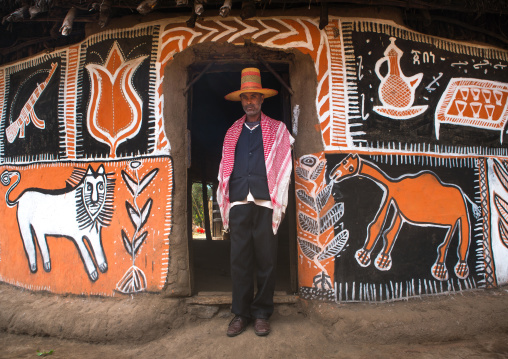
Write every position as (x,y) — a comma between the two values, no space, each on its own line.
(87,260)
(363,254)
(98,251)
(43,247)
(461,268)
(29,245)
(384,259)
(439,270)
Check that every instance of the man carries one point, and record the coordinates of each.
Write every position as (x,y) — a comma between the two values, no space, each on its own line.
(254,177)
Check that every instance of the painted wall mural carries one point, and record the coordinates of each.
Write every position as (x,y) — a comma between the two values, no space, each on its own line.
(298,33)
(321,234)
(423,94)
(82,210)
(116,81)
(31,120)
(27,114)
(409,221)
(445,206)
(409,197)
(102,226)
(495,193)
(97,225)
(134,279)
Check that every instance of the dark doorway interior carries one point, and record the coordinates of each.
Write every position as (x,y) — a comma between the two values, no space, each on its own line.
(210,116)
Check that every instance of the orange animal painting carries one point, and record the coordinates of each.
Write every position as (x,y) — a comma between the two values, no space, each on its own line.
(87,228)
(442,205)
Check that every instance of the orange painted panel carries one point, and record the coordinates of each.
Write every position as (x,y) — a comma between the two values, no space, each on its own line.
(280,33)
(317,215)
(72,227)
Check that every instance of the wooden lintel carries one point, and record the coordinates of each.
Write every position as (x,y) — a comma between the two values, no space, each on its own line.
(196,79)
(277,76)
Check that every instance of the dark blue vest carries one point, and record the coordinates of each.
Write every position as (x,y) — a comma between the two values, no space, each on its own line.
(249,171)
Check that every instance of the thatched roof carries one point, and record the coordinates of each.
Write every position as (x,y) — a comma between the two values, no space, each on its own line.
(29,27)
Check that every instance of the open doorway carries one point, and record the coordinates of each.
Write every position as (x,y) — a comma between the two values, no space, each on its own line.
(210,116)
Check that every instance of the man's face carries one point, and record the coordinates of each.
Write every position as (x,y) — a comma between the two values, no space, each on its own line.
(251,103)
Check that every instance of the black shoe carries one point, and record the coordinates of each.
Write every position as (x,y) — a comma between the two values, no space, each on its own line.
(237,326)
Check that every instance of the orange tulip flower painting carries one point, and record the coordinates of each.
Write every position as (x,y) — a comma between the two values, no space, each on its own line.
(115,108)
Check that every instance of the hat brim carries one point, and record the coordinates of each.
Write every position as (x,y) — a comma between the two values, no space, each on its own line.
(235,95)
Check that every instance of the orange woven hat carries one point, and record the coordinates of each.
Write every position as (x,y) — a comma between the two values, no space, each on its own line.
(251,82)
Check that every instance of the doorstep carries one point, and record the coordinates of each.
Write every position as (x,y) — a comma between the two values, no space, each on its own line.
(220,298)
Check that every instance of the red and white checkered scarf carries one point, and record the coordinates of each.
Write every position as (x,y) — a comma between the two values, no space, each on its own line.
(277,150)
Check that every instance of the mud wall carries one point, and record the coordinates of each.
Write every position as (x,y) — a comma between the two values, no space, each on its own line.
(400,159)
(409,199)
(86,171)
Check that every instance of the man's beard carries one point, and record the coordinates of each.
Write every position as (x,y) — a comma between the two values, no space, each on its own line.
(251,110)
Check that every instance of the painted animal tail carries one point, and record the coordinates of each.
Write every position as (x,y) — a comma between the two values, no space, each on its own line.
(5,178)
(477,211)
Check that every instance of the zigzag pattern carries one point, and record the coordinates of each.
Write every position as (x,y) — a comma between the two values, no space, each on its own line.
(303,35)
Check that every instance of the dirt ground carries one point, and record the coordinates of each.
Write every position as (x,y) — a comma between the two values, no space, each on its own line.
(464,325)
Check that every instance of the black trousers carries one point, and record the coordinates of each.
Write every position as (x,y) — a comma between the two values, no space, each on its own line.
(253,251)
